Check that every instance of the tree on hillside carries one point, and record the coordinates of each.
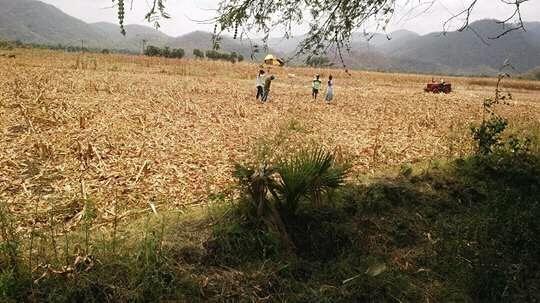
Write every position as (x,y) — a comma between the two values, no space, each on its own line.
(215,55)
(177,53)
(331,22)
(233,57)
(166,52)
(154,51)
(212,54)
(319,61)
(198,53)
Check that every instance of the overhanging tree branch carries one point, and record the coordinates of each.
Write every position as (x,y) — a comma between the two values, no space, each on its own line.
(154,14)
(514,21)
(331,23)
(517,13)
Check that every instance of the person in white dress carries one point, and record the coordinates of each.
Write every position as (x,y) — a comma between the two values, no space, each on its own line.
(330,90)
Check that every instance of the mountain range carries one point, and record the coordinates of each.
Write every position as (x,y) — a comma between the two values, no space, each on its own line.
(467,52)
(32,21)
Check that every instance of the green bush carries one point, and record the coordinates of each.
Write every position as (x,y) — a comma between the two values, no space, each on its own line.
(152,51)
(310,173)
(537,75)
(5,45)
(215,55)
(488,134)
(166,52)
(198,53)
(177,53)
(318,61)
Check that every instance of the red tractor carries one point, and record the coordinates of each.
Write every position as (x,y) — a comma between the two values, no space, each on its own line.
(437,88)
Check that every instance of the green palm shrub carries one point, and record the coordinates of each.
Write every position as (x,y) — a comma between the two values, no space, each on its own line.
(310,173)
(259,183)
(275,191)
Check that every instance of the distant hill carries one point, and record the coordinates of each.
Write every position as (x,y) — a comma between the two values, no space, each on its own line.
(451,53)
(36,22)
(360,41)
(32,21)
(286,46)
(133,40)
(378,61)
(464,52)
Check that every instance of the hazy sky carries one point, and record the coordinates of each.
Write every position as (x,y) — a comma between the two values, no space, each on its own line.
(185,12)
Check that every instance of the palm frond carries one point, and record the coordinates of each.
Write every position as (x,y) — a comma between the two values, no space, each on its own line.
(309,173)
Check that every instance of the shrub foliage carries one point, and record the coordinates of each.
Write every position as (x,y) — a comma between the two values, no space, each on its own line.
(154,51)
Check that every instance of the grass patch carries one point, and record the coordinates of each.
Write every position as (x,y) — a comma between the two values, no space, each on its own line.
(464,231)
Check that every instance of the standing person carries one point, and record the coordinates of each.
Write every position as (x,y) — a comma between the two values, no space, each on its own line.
(260,84)
(316,86)
(330,90)
(267,83)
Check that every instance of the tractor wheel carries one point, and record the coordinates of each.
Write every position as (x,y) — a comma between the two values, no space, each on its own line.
(435,90)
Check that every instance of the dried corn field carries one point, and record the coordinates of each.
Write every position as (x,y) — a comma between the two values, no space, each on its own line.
(128,132)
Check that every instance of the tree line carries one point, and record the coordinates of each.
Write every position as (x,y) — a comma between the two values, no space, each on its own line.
(151,51)
(61,47)
(154,51)
(319,61)
(215,55)
(178,53)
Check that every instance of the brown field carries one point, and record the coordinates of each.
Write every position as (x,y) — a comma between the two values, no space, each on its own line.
(511,85)
(127,132)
